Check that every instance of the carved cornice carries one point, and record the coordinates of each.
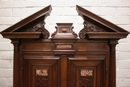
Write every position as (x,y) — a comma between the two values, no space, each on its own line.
(89,27)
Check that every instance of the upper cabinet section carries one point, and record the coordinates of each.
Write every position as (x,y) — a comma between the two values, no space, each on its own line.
(30,27)
(96,27)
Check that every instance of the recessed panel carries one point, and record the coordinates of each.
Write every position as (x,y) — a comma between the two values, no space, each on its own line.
(40,73)
(86,73)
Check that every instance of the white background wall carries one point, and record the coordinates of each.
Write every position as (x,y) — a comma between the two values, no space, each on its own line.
(116,11)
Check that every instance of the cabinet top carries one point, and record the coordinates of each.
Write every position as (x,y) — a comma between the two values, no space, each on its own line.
(95,27)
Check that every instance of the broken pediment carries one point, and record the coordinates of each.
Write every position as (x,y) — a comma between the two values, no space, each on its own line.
(30,27)
(96,27)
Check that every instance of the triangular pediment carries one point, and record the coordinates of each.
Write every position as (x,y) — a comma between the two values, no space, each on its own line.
(30,27)
(96,27)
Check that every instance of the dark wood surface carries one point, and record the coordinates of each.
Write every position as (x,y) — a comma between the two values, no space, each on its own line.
(64,60)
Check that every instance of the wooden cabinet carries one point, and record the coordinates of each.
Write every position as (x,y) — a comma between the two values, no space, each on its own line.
(64,60)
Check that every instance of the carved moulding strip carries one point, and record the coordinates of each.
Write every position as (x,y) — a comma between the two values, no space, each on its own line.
(89,27)
(39,27)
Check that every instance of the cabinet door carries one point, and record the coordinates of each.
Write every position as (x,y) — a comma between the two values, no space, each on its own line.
(85,73)
(41,73)
(64,72)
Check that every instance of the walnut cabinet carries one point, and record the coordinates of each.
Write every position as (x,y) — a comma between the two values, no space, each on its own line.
(64,58)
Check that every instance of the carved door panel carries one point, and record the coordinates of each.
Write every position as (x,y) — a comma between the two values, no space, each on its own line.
(63,72)
(41,73)
(86,73)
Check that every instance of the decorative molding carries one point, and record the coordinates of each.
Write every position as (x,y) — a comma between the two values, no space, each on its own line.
(89,27)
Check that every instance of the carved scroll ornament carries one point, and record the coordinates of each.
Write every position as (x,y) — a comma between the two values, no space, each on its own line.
(89,27)
(39,27)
